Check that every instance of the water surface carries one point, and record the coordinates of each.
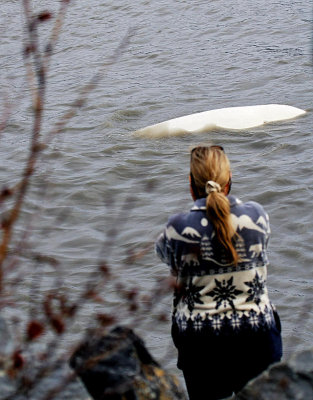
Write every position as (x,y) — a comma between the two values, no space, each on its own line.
(109,190)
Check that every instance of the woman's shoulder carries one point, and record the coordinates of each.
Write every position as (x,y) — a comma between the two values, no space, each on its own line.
(188,221)
(181,219)
(251,208)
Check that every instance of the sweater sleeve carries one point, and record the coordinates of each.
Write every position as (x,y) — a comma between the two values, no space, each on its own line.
(165,252)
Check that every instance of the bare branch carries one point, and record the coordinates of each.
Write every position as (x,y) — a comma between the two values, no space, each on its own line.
(55,34)
(34,145)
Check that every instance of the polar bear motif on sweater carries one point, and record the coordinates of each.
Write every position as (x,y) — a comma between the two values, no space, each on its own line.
(256,249)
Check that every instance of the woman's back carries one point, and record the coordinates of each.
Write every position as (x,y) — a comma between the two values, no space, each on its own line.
(212,293)
(224,326)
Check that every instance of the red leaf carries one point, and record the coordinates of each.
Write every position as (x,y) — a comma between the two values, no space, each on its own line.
(133,307)
(6,192)
(44,16)
(18,360)
(34,330)
(94,296)
(105,270)
(105,319)
(131,294)
(163,318)
(58,325)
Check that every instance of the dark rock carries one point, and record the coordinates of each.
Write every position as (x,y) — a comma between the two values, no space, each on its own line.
(118,366)
(290,380)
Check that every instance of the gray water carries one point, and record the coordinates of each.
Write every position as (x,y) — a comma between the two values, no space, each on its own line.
(100,193)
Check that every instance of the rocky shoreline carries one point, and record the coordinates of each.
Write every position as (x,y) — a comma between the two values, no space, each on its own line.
(117,366)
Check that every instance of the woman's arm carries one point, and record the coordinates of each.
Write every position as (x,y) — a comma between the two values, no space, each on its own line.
(164,251)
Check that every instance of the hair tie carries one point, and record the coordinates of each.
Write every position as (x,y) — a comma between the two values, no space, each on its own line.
(212,186)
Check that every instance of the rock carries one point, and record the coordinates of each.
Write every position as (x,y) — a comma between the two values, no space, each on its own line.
(290,380)
(118,366)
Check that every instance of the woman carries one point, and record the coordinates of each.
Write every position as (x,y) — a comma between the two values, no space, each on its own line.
(224,325)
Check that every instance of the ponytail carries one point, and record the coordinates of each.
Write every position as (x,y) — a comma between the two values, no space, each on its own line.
(218,211)
(210,173)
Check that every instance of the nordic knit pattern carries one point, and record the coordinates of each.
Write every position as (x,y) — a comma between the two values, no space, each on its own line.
(212,295)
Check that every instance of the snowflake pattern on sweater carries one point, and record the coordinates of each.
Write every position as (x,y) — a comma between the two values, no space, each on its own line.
(212,294)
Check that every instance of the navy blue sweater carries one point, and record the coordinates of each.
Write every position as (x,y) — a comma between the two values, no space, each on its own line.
(213,295)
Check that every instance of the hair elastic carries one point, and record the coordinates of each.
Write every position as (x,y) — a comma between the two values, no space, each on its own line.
(212,186)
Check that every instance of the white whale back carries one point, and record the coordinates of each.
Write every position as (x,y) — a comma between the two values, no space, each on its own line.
(232,118)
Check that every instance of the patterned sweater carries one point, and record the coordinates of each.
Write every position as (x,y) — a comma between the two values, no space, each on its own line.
(213,296)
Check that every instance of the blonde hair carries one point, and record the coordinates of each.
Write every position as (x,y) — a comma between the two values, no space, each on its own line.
(212,164)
